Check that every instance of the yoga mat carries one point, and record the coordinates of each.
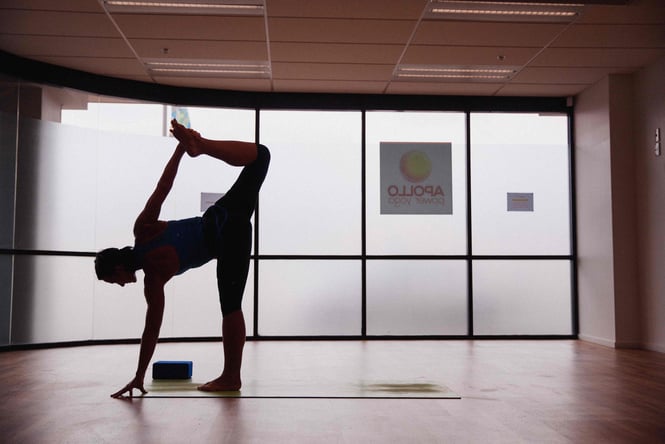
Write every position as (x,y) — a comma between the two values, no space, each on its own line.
(294,389)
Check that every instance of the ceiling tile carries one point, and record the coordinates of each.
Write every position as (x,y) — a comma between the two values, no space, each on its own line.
(197,28)
(433,88)
(608,57)
(637,11)
(329,86)
(467,55)
(200,49)
(50,5)
(442,32)
(212,83)
(550,90)
(56,23)
(35,46)
(371,9)
(120,67)
(335,53)
(613,36)
(325,71)
(565,75)
(340,31)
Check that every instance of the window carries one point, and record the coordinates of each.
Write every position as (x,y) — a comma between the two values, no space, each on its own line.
(488,255)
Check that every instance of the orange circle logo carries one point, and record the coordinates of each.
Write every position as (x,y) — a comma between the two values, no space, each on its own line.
(415,166)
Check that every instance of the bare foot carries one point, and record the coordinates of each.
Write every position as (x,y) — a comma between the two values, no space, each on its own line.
(221,384)
(189,138)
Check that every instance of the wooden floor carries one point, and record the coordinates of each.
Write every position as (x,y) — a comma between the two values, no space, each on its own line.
(511,392)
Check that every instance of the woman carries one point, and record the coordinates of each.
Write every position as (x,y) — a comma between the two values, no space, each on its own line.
(165,249)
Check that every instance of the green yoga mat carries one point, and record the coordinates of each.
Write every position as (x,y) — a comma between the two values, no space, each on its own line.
(294,389)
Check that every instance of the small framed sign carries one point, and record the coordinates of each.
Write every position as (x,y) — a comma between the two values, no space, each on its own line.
(208,199)
(416,178)
(520,201)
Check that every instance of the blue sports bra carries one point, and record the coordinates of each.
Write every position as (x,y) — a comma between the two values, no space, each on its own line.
(186,236)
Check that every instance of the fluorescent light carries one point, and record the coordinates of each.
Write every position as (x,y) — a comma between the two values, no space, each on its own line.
(208,68)
(207,7)
(503,11)
(452,73)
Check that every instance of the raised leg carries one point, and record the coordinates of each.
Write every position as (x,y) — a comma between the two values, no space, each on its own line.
(230,151)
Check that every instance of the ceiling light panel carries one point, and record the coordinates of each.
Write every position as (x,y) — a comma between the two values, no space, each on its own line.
(449,73)
(196,7)
(503,11)
(238,69)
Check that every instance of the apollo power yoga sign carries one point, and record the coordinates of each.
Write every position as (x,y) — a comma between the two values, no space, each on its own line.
(416,178)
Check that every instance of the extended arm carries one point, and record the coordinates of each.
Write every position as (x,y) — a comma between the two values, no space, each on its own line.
(153,206)
(154,293)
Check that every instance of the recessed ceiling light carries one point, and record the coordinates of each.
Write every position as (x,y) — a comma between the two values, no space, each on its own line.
(503,11)
(454,73)
(208,68)
(206,7)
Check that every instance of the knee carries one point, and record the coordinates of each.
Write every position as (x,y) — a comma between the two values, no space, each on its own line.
(229,307)
(262,154)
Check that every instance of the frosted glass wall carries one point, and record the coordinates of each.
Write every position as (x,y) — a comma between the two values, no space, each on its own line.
(310,298)
(80,185)
(8,140)
(80,189)
(310,201)
(520,156)
(522,297)
(521,206)
(310,205)
(416,234)
(416,297)
(53,299)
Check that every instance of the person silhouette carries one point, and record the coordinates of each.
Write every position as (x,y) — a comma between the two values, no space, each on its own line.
(164,249)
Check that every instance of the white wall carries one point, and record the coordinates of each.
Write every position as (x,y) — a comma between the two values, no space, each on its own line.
(650,178)
(594,215)
(620,206)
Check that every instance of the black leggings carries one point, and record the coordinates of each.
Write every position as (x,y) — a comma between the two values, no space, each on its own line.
(235,243)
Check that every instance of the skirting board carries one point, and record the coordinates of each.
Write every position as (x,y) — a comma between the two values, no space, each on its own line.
(623,344)
(600,341)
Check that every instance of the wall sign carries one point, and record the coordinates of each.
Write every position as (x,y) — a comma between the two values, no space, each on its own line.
(416,178)
(208,199)
(520,201)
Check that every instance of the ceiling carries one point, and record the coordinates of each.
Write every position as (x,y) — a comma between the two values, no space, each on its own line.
(341,46)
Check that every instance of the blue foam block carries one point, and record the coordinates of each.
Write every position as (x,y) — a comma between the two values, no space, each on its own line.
(172,370)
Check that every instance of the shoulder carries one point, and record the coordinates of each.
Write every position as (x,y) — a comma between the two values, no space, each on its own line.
(145,232)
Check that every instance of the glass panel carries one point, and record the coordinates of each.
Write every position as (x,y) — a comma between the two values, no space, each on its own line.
(6,272)
(520,188)
(195,303)
(128,169)
(53,299)
(205,174)
(7,177)
(310,202)
(8,102)
(311,298)
(192,306)
(522,297)
(415,233)
(419,297)
(101,113)
(119,312)
(223,124)
(55,203)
